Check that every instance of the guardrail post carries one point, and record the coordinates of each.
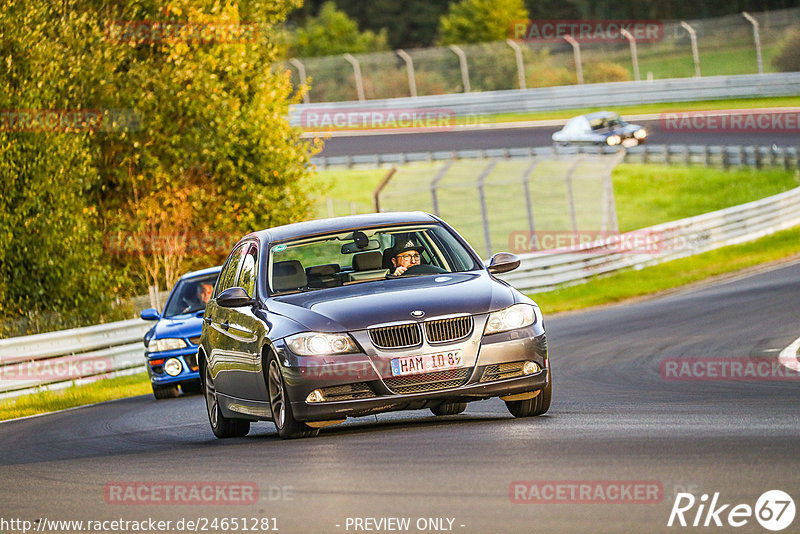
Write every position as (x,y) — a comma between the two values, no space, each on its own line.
(695,54)
(435,185)
(301,71)
(757,40)
(462,61)
(576,51)
(520,64)
(412,79)
(487,235)
(357,73)
(634,55)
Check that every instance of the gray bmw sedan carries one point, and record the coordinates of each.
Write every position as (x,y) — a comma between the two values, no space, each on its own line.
(315,322)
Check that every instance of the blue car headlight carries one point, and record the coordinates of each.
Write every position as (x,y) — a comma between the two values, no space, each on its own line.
(516,316)
(167,343)
(320,344)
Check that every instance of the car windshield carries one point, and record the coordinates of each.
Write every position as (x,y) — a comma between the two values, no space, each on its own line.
(190,295)
(606,122)
(321,262)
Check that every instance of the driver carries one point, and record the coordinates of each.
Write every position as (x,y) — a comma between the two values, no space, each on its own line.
(405,254)
(203,293)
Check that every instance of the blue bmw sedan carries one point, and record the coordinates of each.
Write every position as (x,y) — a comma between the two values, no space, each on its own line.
(171,345)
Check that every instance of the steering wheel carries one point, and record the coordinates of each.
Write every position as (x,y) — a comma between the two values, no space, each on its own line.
(423,269)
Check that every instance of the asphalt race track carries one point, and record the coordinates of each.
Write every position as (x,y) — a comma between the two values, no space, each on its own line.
(614,418)
(533,136)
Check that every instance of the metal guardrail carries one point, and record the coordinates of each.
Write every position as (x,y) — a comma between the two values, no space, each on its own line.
(59,359)
(607,95)
(717,155)
(544,270)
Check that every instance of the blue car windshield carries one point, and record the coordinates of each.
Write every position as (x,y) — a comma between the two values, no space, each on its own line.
(190,295)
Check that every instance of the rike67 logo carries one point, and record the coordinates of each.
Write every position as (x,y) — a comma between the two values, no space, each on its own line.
(774,510)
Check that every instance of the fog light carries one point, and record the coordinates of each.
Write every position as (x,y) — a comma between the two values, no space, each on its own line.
(315,396)
(530,368)
(173,367)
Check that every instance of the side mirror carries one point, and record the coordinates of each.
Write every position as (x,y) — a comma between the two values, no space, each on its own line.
(235,297)
(502,262)
(150,314)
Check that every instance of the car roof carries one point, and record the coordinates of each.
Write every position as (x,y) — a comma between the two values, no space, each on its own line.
(340,224)
(601,114)
(201,272)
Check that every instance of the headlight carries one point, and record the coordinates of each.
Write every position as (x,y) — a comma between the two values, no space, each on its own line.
(613,140)
(173,367)
(319,343)
(641,133)
(516,316)
(168,343)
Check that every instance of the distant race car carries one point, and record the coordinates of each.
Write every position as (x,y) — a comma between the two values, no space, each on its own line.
(600,128)
(171,345)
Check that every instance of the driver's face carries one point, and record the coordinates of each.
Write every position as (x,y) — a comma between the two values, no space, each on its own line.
(205,291)
(406,259)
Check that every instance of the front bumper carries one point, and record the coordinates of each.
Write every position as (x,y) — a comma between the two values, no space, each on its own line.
(189,370)
(354,386)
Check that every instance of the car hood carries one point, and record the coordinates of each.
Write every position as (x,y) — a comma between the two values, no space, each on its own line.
(358,306)
(181,326)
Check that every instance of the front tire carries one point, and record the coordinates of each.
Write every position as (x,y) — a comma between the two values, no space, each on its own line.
(449,408)
(288,427)
(221,426)
(165,392)
(535,406)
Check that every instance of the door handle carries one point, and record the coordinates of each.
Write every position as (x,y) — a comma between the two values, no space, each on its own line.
(207,320)
(225,325)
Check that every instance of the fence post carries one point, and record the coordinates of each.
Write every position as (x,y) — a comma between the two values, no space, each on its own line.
(634,55)
(377,193)
(757,39)
(520,64)
(462,61)
(695,54)
(570,198)
(301,71)
(435,184)
(487,235)
(357,73)
(526,178)
(576,50)
(412,79)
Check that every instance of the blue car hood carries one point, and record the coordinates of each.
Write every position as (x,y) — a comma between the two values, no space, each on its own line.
(179,326)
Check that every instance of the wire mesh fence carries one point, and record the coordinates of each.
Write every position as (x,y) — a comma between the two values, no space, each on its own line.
(491,202)
(726,46)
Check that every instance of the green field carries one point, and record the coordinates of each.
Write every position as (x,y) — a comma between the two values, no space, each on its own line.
(51,401)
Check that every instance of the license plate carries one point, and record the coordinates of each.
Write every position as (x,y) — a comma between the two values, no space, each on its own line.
(426,363)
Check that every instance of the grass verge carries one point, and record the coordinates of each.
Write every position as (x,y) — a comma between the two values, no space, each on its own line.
(650,280)
(51,401)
